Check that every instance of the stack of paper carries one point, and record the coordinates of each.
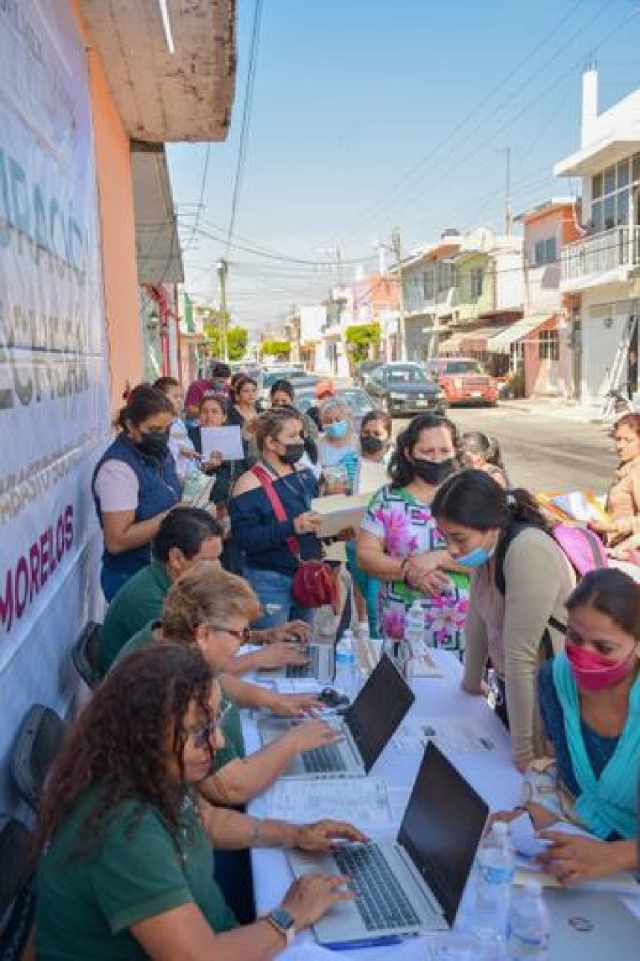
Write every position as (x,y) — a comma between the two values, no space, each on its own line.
(340,511)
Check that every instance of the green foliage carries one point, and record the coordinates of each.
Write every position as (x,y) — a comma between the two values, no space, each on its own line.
(237,338)
(363,337)
(276,348)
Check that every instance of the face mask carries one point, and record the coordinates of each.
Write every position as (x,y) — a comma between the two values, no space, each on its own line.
(339,429)
(475,558)
(371,445)
(154,443)
(292,453)
(593,672)
(434,473)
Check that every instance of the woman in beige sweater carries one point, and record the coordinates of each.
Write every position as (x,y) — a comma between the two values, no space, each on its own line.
(521,579)
(623,497)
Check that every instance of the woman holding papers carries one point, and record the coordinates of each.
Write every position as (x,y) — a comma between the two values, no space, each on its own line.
(274,548)
(399,542)
(590,701)
(126,843)
(521,581)
(623,498)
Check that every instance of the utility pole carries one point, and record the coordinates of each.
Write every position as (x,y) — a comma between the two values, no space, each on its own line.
(508,220)
(222,267)
(396,245)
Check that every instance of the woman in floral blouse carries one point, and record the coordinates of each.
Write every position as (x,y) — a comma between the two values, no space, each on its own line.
(400,544)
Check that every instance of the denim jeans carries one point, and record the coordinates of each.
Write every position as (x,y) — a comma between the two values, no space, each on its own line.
(274,590)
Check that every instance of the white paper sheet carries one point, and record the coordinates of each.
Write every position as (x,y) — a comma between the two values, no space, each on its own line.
(362,801)
(339,511)
(449,733)
(372,475)
(226,441)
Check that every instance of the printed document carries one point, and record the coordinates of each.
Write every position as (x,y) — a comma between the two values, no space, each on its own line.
(362,801)
(226,441)
(449,733)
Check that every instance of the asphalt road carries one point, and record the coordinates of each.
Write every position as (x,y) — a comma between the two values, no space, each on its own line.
(544,451)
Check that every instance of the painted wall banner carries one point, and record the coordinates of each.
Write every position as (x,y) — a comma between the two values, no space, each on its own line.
(53,379)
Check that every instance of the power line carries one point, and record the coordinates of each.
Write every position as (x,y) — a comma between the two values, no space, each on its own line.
(198,212)
(246,118)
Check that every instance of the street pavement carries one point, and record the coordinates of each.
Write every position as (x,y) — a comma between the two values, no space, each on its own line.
(543,449)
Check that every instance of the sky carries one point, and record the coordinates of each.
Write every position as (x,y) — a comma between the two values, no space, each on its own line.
(368,116)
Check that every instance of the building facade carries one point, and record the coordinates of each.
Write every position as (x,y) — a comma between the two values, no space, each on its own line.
(602,268)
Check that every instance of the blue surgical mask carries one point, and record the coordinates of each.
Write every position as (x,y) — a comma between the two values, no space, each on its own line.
(475,558)
(337,430)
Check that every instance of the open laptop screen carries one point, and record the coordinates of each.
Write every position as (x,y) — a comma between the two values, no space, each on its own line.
(378,710)
(442,827)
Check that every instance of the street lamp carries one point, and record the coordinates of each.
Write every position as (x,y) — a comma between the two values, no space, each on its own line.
(222,267)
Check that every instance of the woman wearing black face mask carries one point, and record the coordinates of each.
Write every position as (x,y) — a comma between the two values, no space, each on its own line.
(272,547)
(375,437)
(134,485)
(399,542)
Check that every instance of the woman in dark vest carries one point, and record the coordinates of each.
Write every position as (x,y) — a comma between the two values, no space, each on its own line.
(134,485)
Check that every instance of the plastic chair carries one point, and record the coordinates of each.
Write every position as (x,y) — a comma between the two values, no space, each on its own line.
(38,742)
(84,654)
(17,894)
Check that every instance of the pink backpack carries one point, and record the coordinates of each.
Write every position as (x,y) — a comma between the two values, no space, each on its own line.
(583,547)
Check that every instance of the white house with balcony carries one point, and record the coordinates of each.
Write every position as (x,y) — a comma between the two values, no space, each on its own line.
(603,267)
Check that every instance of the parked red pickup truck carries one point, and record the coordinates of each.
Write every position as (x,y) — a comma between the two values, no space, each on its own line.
(464,380)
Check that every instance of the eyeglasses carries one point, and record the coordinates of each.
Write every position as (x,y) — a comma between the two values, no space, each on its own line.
(201,736)
(244,636)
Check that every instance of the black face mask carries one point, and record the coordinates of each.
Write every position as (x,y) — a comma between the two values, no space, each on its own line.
(371,445)
(292,453)
(154,443)
(434,473)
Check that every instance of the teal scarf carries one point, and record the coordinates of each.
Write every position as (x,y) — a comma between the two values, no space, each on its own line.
(609,803)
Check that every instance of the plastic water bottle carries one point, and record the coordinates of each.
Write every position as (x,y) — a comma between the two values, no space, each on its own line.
(414,636)
(494,874)
(529,927)
(346,680)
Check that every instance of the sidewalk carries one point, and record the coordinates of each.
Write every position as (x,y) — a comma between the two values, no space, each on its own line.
(556,407)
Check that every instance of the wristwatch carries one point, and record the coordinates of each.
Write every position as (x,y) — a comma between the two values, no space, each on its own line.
(282,921)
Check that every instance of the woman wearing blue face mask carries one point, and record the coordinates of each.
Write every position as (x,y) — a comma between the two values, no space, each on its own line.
(338,446)
(521,581)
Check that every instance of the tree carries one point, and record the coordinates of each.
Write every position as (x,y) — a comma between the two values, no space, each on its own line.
(276,348)
(364,340)
(237,338)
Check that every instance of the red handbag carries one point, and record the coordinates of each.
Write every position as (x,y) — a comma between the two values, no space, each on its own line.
(313,582)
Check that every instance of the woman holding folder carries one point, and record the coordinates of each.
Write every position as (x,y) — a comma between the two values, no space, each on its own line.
(274,547)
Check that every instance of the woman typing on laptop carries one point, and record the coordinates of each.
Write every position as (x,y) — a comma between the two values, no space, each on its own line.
(126,843)
(590,703)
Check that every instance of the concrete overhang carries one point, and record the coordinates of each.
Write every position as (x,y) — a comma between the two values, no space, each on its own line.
(595,158)
(157,241)
(163,96)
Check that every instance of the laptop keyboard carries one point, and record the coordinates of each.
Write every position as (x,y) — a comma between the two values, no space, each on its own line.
(379,897)
(324,760)
(310,669)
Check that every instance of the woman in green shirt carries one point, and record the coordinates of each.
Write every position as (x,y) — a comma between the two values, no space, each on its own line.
(126,869)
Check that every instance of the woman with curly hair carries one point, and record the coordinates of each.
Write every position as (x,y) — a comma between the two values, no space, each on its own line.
(399,541)
(126,844)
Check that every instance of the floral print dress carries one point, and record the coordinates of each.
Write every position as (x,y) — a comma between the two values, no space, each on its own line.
(406,526)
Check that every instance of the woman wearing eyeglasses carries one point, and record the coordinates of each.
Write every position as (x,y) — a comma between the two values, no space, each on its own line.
(209,609)
(125,869)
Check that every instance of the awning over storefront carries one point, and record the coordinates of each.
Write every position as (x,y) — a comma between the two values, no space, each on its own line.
(453,345)
(157,241)
(500,343)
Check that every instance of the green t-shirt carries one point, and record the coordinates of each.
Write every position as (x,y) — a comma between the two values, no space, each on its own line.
(85,906)
(233,740)
(139,601)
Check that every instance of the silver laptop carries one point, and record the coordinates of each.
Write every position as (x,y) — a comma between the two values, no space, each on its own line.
(321,665)
(367,727)
(591,926)
(412,885)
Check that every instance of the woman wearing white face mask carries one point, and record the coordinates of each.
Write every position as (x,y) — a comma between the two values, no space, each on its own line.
(520,584)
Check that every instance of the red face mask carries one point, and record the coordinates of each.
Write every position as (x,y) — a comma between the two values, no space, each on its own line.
(593,672)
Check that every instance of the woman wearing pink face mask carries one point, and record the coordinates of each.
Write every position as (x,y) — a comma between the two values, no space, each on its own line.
(590,702)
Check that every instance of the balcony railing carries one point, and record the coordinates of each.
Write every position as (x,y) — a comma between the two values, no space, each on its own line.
(601,253)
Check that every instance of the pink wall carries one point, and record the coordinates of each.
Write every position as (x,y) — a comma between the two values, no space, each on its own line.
(117,224)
